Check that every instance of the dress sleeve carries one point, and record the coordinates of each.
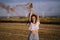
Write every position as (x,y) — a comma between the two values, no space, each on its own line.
(38,22)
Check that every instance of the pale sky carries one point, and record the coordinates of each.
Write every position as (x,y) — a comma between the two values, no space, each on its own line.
(41,7)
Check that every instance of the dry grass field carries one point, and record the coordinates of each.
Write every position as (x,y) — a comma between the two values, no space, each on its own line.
(19,31)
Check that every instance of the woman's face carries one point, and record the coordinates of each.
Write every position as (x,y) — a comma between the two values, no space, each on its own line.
(33,18)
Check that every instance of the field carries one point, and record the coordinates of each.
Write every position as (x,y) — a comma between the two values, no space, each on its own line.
(48,20)
(19,31)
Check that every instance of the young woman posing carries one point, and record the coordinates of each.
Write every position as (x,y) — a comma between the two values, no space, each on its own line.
(33,26)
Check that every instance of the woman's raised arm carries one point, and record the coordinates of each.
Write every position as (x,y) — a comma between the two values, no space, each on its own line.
(38,18)
(31,8)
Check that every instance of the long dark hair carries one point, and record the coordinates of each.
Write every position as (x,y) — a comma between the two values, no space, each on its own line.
(35,17)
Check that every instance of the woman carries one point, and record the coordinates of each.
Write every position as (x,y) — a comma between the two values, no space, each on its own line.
(33,26)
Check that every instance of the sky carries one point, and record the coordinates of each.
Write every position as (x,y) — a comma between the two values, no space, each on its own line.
(40,7)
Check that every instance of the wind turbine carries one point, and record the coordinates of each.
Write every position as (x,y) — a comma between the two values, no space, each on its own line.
(42,11)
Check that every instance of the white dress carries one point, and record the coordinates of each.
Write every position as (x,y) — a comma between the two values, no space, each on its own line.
(34,26)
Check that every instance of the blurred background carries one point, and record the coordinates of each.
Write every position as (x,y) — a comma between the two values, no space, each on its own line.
(14,19)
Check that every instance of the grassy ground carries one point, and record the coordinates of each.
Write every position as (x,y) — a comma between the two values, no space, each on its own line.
(19,31)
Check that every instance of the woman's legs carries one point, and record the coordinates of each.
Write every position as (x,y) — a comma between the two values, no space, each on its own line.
(30,36)
(36,37)
(33,36)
